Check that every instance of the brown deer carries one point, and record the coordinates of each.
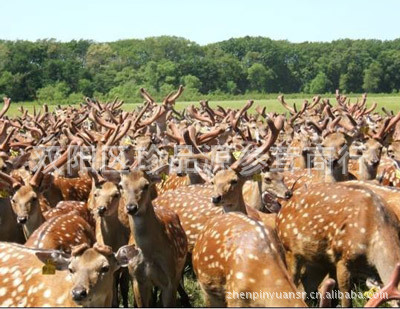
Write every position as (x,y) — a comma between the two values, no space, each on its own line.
(62,233)
(26,207)
(9,229)
(83,279)
(160,237)
(112,223)
(236,256)
(342,229)
(195,204)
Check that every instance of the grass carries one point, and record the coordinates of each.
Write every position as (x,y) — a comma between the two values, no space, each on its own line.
(390,101)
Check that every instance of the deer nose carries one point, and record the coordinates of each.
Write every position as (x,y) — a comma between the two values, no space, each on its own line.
(288,194)
(132,209)
(101,210)
(216,199)
(375,161)
(22,219)
(79,294)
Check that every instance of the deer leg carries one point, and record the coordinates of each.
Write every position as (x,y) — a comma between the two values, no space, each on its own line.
(124,286)
(294,265)
(343,279)
(115,300)
(185,301)
(142,292)
(168,296)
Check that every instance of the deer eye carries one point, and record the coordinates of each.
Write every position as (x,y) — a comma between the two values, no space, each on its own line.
(267,180)
(71,271)
(104,269)
(234,182)
(146,186)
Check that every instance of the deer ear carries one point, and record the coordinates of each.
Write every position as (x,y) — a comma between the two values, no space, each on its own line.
(349,139)
(111,175)
(127,254)
(205,175)
(156,175)
(57,258)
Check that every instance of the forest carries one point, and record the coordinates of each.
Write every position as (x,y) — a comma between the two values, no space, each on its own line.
(61,72)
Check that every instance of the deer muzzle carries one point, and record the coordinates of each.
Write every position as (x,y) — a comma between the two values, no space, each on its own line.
(132,209)
(22,219)
(79,294)
(101,210)
(216,199)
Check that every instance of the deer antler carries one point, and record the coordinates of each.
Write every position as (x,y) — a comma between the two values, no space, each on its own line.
(281,99)
(274,128)
(236,120)
(6,106)
(171,98)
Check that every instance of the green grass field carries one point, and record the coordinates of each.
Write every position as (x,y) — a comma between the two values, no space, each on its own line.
(389,101)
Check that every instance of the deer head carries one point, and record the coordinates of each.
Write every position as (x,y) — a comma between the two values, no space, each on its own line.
(138,190)
(91,270)
(105,194)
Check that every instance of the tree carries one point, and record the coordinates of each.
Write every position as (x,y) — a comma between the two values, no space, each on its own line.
(320,84)
(191,81)
(372,77)
(260,79)
(56,93)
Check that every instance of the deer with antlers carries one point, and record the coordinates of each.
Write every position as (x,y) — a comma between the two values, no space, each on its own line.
(195,204)
(235,256)
(112,224)
(62,233)
(80,279)
(26,198)
(158,234)
(343,234)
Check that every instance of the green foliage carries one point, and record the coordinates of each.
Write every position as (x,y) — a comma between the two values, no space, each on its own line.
(320,84)
(53,93)
(259,77)
(372,77)
(235,67)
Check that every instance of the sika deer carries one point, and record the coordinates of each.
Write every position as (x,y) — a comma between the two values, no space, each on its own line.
(344,230)
(235,256)
(9,229)
(160,237)
(86,283)
(62,233)
(26,206)
(112,223)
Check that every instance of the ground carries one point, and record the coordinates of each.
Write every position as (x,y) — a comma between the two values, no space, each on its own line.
(389,101)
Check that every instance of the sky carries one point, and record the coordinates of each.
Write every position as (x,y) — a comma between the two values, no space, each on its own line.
(204,22)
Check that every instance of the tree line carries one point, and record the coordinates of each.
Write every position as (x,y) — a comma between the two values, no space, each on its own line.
(48,70)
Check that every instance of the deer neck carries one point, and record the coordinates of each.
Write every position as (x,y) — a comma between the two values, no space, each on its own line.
(367,171)
(113,232)
(336,173)
(195,179)
(147,230)
(35,220)
(252,194)
(238,204)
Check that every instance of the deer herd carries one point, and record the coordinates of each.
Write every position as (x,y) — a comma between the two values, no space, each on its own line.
(97,200)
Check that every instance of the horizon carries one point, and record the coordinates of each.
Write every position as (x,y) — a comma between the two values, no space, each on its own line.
(204,23)
(231,38)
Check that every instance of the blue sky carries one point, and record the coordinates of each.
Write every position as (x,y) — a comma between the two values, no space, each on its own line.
(203,21)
